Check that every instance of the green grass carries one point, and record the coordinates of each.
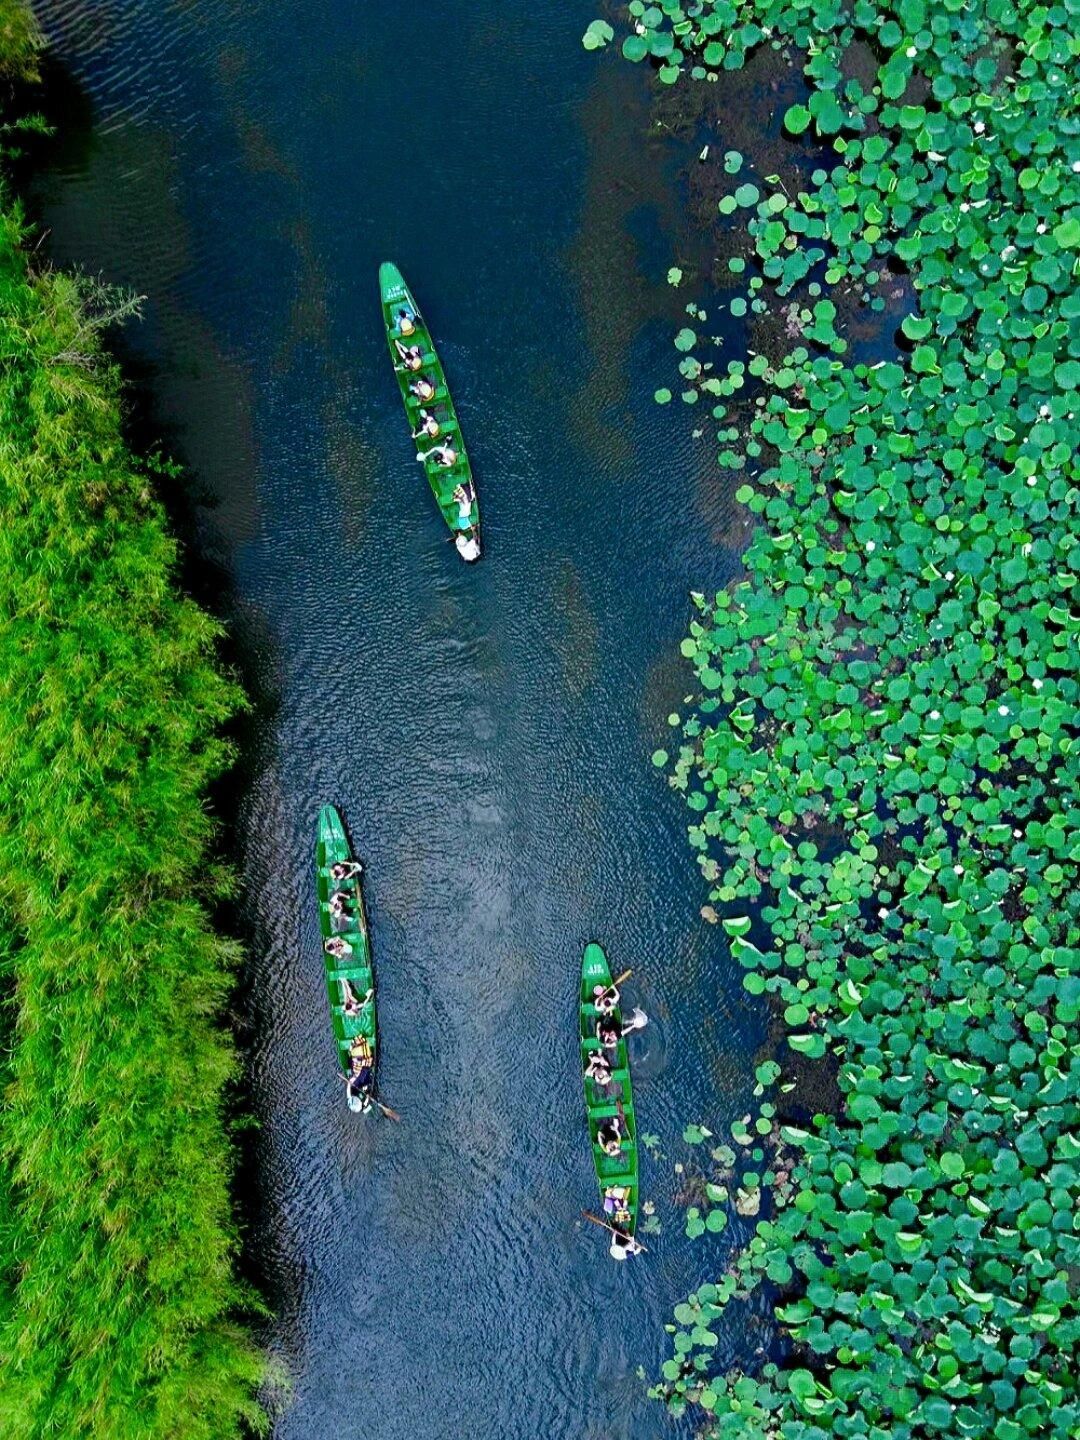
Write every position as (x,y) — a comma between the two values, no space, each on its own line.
(19,41)
(120,1317)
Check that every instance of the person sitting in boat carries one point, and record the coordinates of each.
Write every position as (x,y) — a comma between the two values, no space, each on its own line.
(615,1204)
(344,870)
(339,902)
(359,1079)
(599,1068)
(605,998)
(463,495)
(411,358)
(423,387)
(429,426)
(623,1245)
(608,1032)
(349,1003)
(444,455)
(406,321)
(337,947)
(610,1137)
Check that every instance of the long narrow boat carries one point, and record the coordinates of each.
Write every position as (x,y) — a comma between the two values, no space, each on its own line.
(350,980)
(453,486)
(617,1175)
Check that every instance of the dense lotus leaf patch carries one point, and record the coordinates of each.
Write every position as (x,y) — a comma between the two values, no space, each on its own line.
(882,763)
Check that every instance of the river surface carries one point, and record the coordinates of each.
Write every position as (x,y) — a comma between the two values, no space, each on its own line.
(486,731)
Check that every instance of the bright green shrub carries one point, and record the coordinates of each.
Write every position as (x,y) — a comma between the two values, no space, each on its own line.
(120,1318)
(19,41)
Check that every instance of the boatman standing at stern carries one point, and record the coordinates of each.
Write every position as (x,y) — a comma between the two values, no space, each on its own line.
(622,1246)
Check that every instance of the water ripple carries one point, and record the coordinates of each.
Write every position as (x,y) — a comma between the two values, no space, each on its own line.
(485,731)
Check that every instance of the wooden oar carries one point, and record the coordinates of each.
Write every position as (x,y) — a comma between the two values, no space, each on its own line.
(612,1231)
(617,982)
(386,1110)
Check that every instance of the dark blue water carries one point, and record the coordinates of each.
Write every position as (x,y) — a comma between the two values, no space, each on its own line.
(486,731)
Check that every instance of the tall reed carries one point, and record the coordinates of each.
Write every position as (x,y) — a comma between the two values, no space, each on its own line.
(120,1315)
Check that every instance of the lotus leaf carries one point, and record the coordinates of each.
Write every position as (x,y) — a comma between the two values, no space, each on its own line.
(597,35)
(883,737)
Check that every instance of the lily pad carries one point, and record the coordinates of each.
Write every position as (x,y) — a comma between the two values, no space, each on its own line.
(597,35)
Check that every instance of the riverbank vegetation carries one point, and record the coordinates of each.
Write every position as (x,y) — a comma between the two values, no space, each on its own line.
(19,41)
(119,1311)
(883,760)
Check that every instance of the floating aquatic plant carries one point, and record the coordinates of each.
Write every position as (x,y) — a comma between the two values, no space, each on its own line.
(883,761)
(598,34)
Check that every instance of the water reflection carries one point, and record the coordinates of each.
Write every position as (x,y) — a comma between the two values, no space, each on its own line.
(486,732)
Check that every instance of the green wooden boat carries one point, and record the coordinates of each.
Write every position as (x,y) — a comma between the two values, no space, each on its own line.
(617,1174)
(350,980)
(453,486)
